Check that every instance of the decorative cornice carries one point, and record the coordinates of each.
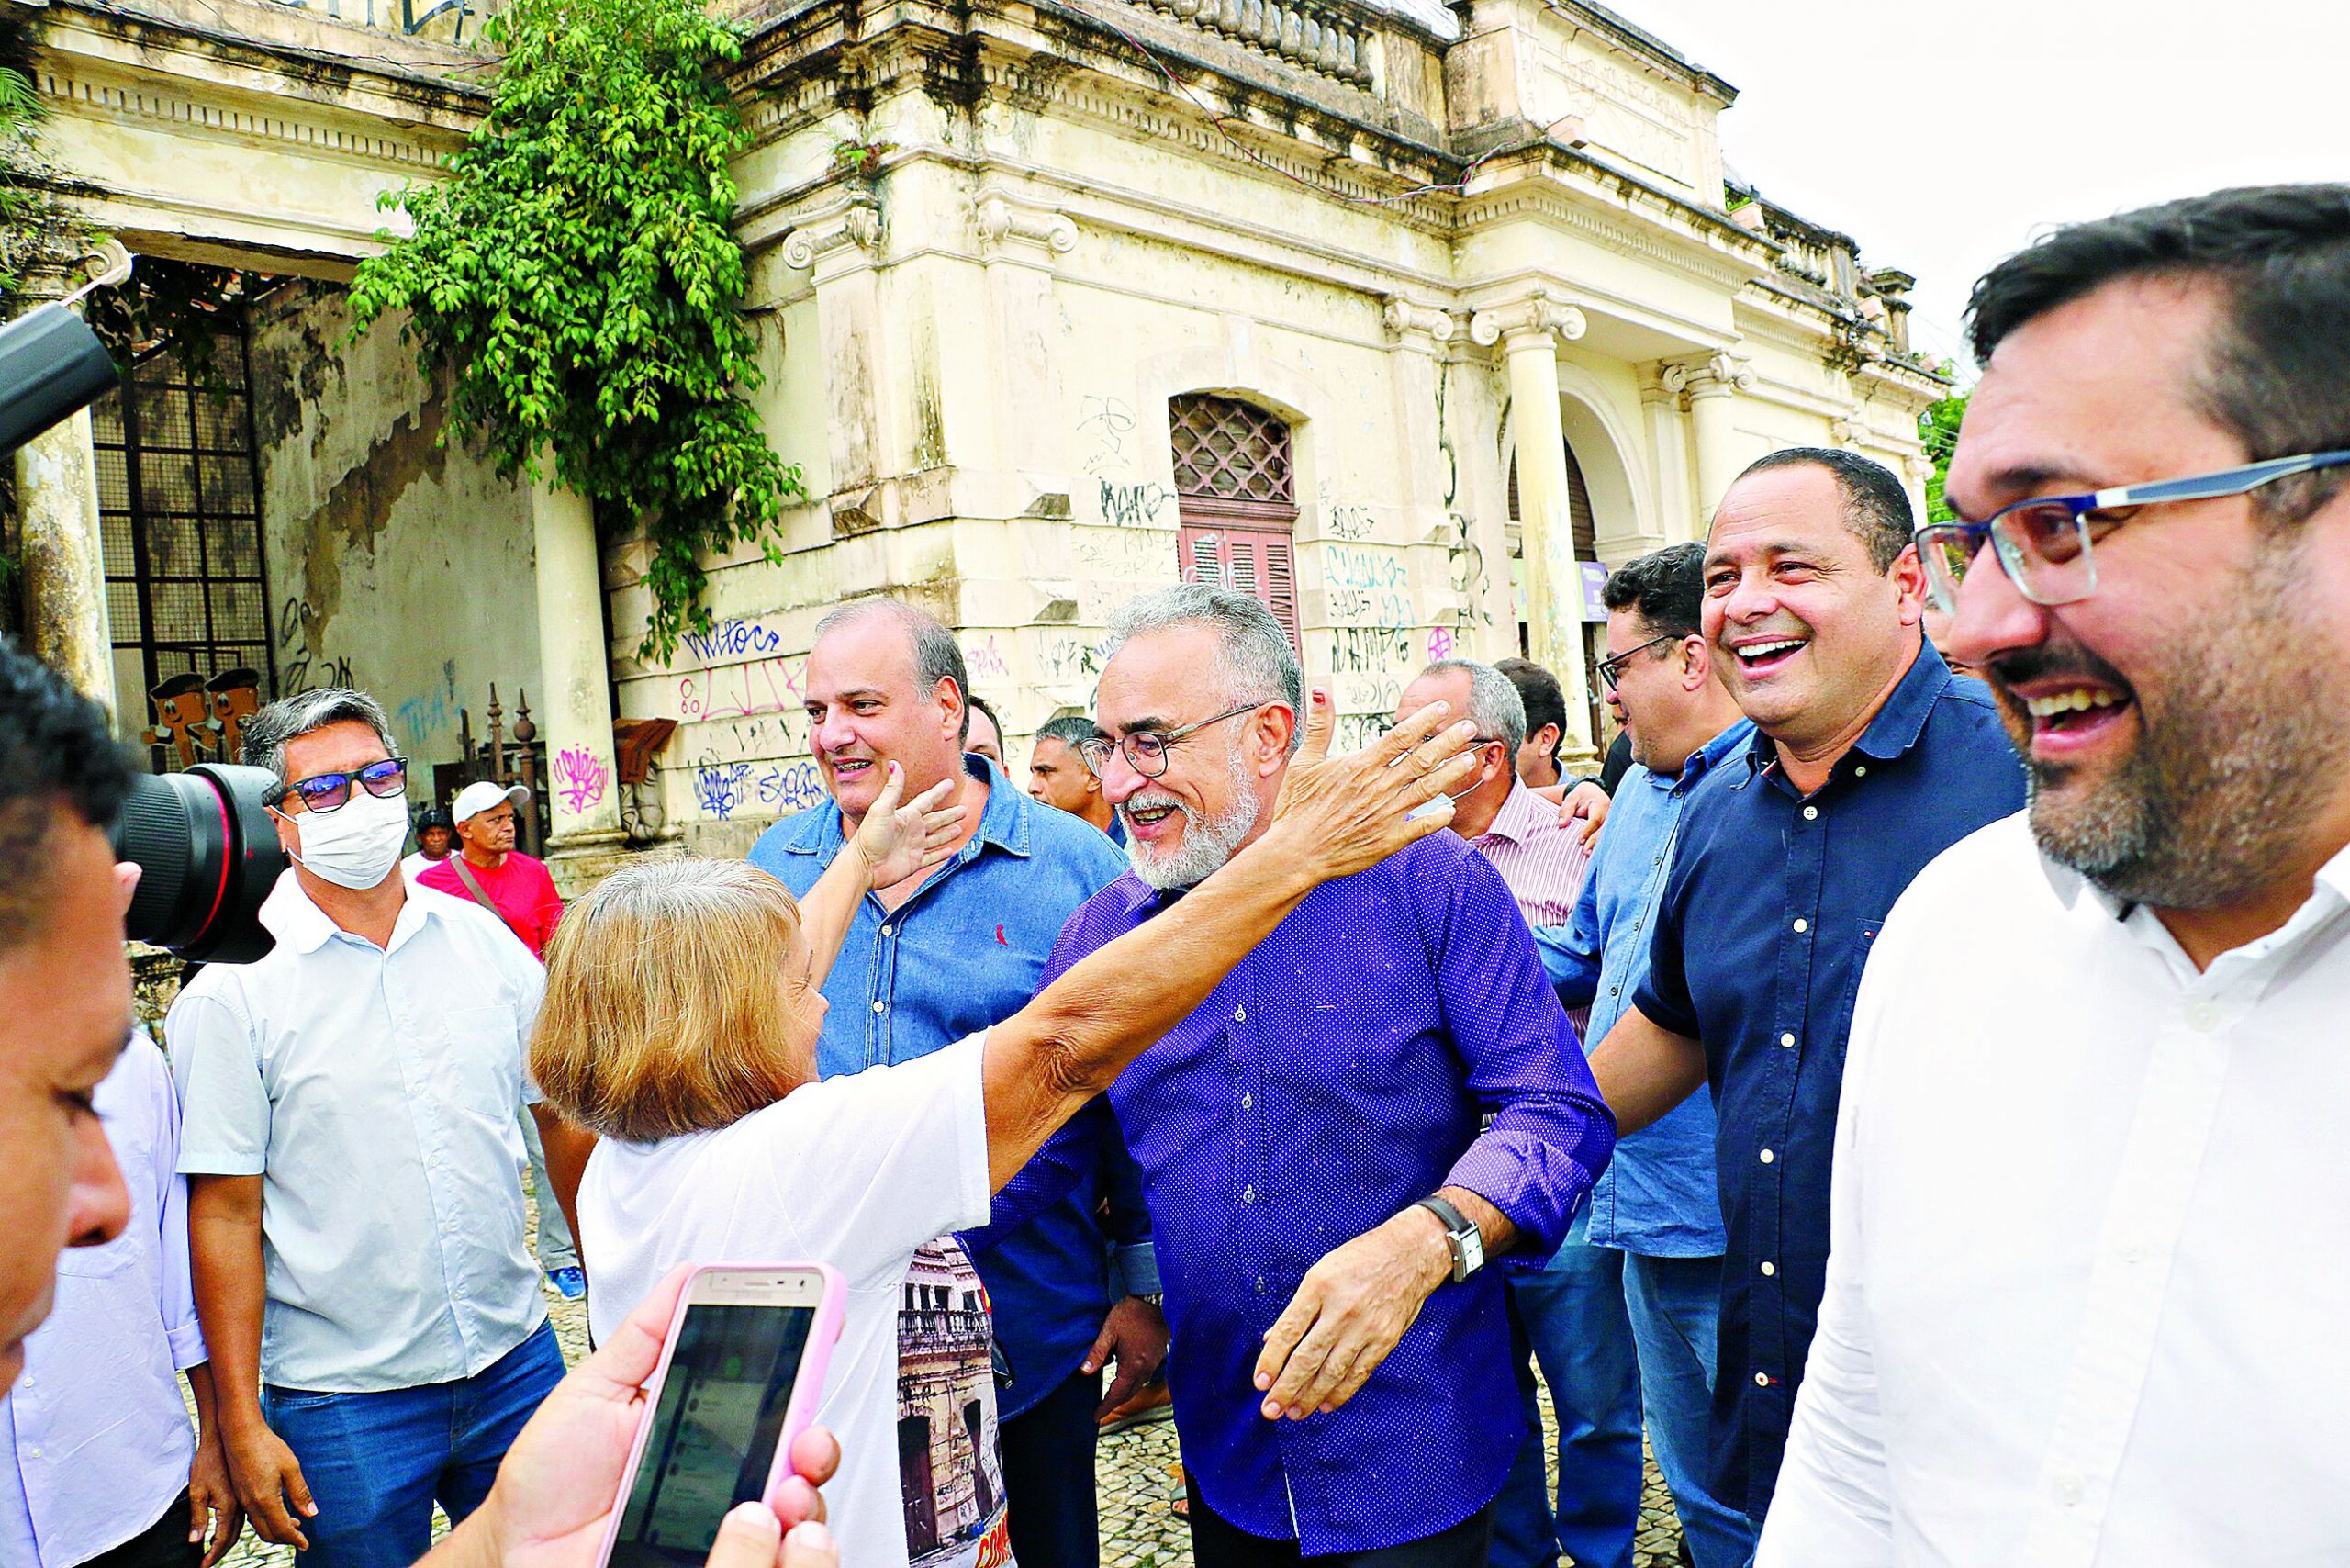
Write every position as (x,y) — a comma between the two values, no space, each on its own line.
(1537,314)
(1619,230)
(304,127)
(1002,222)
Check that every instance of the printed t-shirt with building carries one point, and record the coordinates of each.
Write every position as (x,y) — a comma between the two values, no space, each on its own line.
(374,1093)
(519,886)
(861,1171)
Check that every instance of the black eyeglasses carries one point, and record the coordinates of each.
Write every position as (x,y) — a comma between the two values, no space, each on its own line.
(326,791)
(1611,670)
(1147,750)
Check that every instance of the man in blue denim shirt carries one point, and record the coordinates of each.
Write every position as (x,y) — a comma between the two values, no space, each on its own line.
(940,956)
(1637,1295)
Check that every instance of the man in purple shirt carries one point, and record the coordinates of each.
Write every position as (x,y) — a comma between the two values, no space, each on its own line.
(1379,1098)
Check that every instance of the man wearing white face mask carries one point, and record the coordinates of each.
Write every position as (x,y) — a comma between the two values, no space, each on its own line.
(354,1206)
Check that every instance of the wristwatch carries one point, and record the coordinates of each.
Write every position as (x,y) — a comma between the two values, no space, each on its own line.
(1467,1243)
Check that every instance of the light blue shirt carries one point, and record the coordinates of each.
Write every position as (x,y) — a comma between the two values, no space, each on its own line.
(1657,1197)
(373,1090)
(94,1442)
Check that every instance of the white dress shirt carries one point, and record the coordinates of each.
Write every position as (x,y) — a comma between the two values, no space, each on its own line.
(94,1442)
(373,1090)
(2091,1240)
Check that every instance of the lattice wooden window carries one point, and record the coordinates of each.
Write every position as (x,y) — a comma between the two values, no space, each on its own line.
(1236,500)
(1229,451)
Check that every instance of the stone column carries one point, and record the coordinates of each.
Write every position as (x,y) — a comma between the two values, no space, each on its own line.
(1529,331)
(574,709)
(66,572)
(1711,384)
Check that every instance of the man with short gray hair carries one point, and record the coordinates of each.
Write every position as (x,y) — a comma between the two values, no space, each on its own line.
(1383,1094)
(355,1208)
(1058,777)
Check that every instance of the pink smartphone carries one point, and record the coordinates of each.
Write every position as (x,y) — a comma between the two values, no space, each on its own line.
(741,1375)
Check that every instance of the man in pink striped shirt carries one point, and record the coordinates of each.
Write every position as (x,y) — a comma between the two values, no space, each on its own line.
(1503,820)
(1542,863)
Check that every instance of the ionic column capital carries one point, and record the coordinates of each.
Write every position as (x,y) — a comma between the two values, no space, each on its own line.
(1538,315)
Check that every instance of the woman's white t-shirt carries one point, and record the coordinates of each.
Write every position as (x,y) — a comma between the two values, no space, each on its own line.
(859,1172)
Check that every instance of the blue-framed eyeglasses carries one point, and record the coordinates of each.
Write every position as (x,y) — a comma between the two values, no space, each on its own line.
(2045,544)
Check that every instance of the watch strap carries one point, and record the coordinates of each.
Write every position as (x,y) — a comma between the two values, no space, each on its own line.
(1468,1244)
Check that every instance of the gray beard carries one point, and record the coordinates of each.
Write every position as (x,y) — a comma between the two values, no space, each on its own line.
(1208,842)
(2246,745)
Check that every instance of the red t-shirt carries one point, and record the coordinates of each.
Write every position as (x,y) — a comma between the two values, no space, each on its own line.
(520,889)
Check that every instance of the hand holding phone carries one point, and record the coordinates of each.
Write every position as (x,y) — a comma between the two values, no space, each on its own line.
(740,1373)
(560,1487)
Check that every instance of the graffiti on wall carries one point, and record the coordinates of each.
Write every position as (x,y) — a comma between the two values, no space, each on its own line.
(581,779)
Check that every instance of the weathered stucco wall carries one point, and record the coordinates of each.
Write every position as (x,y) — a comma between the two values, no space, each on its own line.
(396,564)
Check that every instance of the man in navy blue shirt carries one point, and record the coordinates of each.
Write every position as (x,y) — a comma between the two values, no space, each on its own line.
(1383,1093)
(1871,758)
(940,956)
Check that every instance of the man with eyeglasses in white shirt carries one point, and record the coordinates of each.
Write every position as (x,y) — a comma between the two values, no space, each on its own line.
(355,1216)
(2091,1198)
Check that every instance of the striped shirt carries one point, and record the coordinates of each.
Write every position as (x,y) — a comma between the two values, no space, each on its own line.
(1542,865)
(1541,862)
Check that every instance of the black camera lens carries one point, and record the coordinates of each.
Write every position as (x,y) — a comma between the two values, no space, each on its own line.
(207,856)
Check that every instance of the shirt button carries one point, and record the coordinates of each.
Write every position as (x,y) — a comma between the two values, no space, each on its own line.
(1249,1195)
(33,1453)
(1811,813)
(1260,1284)
(2068,1490)
(1247,1102)
(1786,1039)
(1769,1267)
(1768,1156)
(2202,1016)
(1762,1380)
(888,929)
(880,1007)
(1802,925)
(1615,990)
(1860,771)
(1240,1015)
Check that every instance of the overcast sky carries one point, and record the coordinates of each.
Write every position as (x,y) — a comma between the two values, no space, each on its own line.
(1945,135)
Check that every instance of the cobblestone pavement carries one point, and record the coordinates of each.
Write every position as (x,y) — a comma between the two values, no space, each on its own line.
(1138,1488)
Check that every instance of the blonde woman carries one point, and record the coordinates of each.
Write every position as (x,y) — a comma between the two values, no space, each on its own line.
(680,1022)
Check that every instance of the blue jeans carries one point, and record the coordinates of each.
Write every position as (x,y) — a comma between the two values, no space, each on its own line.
(1675,1303)
(1574,1317)
(376,1463)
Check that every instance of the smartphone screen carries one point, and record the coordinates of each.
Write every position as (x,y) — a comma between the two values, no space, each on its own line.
(714,1429)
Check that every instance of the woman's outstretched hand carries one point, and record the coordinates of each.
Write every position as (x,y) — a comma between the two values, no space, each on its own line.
(1341,815)
(897,840)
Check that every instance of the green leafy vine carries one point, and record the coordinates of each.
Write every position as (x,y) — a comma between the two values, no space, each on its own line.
(577,278)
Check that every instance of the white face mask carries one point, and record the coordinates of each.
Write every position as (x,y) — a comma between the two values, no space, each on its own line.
(356,845)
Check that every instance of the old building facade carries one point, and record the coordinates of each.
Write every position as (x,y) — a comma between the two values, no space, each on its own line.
(1409,318)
